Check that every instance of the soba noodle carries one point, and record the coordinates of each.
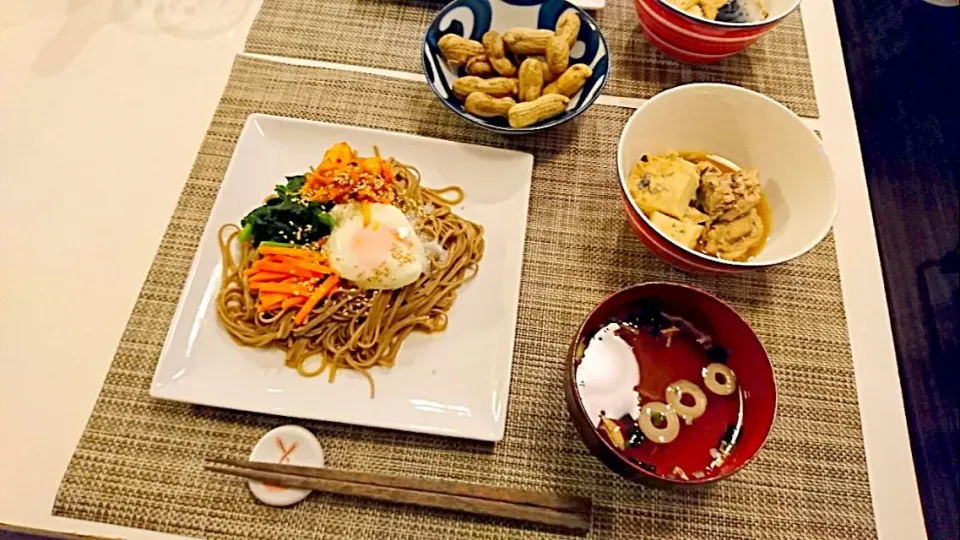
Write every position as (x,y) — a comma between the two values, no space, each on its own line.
(353,328)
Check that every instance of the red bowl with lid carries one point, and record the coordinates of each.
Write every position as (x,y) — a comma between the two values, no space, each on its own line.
(696,40)
(733,425)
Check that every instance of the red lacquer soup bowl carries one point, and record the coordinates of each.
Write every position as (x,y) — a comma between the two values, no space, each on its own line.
(696,40)
(667,384)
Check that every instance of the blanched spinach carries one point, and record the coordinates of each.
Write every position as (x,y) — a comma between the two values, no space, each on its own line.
(288,218)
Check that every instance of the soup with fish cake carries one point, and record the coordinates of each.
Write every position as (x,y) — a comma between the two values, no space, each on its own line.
(659,390)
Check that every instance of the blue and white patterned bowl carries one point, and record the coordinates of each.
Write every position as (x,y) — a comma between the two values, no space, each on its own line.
(473,18)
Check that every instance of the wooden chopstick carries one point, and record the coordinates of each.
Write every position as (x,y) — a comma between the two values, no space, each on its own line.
(562,511)
(556,501)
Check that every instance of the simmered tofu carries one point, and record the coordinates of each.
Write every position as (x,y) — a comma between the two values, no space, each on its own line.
(732,240)
(685,4)
(710,7)
(685,233)
(695,216)
(664,184)
(727,196)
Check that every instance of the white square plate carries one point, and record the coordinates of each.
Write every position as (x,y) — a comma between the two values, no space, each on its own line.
(452,383)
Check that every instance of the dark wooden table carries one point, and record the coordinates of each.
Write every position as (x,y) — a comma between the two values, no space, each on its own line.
(903,60)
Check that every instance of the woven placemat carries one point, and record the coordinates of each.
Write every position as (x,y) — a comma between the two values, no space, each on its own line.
(140,461)
(387,34)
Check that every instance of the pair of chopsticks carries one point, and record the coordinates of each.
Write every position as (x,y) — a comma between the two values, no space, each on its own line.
(566,512)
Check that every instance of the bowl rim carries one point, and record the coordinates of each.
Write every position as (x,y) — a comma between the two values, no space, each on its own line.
(728,25)
(815,240)
(570,375)
(511,130)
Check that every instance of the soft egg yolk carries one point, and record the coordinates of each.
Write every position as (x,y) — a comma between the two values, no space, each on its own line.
(374,242)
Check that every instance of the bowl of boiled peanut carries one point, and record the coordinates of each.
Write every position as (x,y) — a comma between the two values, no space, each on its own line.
(515,66)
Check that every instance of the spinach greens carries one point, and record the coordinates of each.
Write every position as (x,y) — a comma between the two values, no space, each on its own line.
(288,218)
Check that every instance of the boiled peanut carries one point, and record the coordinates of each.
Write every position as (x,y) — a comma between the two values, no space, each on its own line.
(479,66)
(548,76)
(558,55)
(568,26)
(571,81)
(481,104)
(457,49)
(496,87)
(526,114)
(531,79)
(527,40)
(497,56)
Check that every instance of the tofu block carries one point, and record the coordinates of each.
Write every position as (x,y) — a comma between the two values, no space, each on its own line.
(686,233)
(664,184)
(695,216)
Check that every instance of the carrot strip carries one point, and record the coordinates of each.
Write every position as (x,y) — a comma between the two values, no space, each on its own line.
(293,301)
(309,266)
(263,308)
(258,264)
(269,302)
(323,290)
(289,252)
(285,267)
(287,288)
(269,298)
(266,276)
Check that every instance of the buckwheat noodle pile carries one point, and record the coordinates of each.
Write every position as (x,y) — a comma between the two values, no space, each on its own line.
(353,328)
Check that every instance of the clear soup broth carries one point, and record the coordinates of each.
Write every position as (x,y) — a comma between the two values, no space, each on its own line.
(643,356)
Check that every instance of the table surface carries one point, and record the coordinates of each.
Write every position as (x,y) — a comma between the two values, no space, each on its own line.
(110,107)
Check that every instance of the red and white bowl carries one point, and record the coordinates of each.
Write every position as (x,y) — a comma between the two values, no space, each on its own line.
(696,40)
(751,130)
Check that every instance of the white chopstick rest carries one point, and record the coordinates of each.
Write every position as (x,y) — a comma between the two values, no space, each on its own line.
(290,445)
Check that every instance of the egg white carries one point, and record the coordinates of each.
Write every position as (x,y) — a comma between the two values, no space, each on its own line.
(385,254)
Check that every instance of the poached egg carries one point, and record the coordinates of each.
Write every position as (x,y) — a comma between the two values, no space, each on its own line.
(383,253)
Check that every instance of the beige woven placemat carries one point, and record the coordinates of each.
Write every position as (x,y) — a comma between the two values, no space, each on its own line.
(139,461)
(387,34)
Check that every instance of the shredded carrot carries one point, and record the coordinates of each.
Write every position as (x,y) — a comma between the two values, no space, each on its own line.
(307,266)
(293,301)
(290,252)
(365,210)
(323,290)
(286,268)
(263,308)
(267,276)
(269,302)
(286,288)
(272,298)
